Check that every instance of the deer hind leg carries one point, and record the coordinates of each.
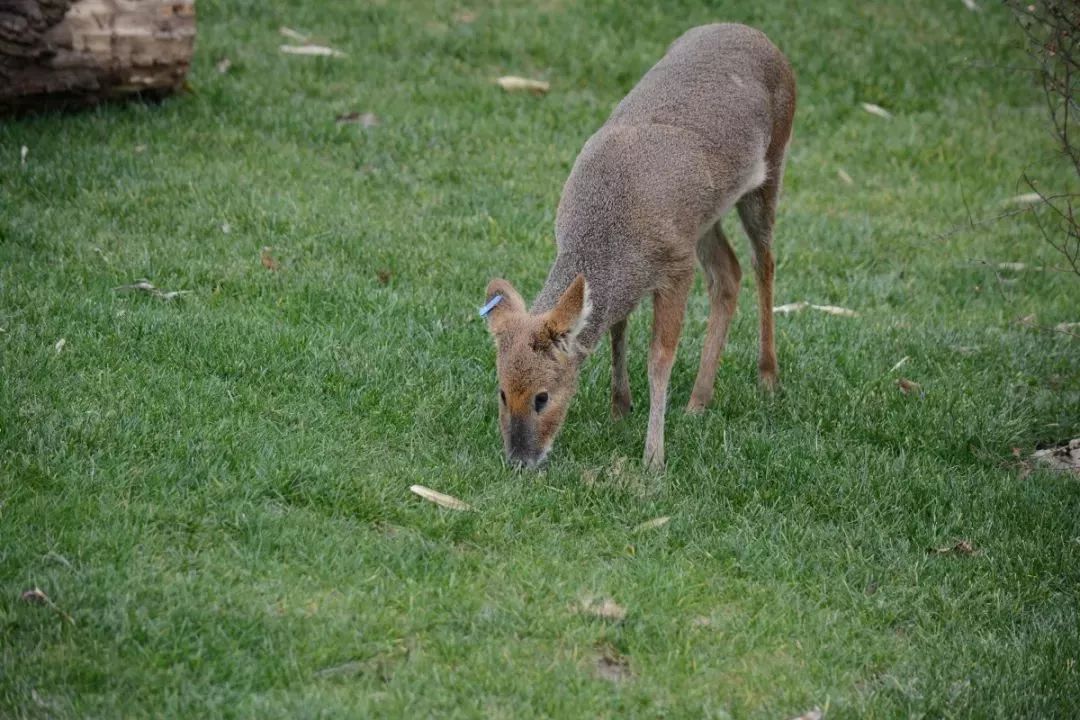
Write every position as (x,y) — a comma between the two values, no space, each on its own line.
(757,210)
(669,308)
(620,378)
(722,277)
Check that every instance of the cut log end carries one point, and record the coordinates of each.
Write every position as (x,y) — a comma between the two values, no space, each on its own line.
(58,54)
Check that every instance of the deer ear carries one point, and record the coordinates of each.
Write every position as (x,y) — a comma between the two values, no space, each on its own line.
(570,314)
(503,301)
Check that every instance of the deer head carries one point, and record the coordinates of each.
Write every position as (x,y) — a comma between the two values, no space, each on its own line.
(537,363)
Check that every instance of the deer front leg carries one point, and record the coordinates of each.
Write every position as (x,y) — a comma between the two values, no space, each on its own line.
(620,378)
(669,307)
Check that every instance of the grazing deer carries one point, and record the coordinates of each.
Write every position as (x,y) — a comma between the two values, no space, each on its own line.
(706,129)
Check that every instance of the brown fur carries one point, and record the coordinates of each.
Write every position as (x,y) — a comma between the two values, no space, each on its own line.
(705,130)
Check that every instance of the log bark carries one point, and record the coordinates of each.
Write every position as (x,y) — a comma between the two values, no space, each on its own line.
(70,53)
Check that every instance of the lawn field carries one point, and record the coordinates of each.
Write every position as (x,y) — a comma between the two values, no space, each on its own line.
(213,490)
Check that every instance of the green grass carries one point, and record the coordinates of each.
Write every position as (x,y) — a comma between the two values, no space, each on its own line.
(216,488)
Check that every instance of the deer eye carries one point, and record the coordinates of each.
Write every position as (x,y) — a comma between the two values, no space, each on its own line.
(502,396)
(540,401)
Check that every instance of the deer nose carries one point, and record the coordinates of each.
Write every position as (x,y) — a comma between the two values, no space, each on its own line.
(520,446)
(519,459)
(526,459)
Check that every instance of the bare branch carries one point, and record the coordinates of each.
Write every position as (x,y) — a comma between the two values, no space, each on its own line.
(1053,32)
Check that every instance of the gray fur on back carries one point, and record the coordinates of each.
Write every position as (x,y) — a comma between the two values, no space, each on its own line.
(700,129)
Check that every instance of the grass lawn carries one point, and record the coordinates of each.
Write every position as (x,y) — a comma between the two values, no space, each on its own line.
(215,488)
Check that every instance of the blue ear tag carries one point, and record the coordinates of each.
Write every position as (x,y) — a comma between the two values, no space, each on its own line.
(490,306)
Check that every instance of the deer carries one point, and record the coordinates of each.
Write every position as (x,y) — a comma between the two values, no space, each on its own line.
(706,129)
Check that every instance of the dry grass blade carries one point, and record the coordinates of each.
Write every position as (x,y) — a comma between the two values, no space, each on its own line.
(836,310)
(293,34)
(1012,266)
(876,110)
(60,345)
(802,305)
(22,155)
(814,714)
(652,524)
(512,83)
(1067,327)
(145,286)
(446,501)
(37,596)
(223,65)
(970,5)
(842,174)
(961,547)
(603,607)
(312,50)
(368,119)
(140,285)
(900,364)
(1025,199)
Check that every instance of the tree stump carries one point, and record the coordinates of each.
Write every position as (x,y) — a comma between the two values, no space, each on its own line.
(70,53)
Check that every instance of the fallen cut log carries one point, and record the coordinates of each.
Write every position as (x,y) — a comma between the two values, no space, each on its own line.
(70,53)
